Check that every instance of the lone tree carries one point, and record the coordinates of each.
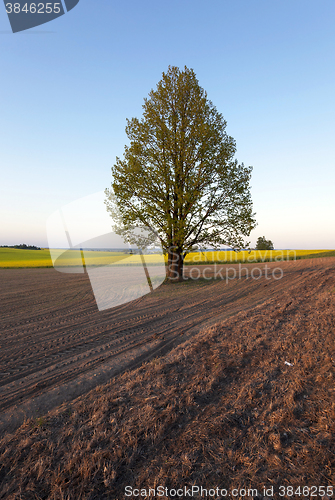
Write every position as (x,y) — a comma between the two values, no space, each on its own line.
(264,244)
(178,177)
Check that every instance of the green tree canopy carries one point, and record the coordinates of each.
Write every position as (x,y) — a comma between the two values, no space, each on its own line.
(264,244)
(178,177)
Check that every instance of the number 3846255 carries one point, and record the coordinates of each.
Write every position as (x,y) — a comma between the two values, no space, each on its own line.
(34,8)
(306,491)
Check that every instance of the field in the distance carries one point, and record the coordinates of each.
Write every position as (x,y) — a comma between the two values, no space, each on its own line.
(12,258)
(246,402)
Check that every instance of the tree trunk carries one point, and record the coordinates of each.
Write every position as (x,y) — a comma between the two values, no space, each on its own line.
(175,264)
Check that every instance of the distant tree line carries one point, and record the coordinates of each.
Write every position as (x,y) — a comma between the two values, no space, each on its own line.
(23,246)
(264,244)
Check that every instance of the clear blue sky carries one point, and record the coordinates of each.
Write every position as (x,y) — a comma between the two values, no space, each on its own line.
(68,86)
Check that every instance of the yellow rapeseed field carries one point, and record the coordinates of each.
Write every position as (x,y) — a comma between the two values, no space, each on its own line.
(17,258)
(246,256)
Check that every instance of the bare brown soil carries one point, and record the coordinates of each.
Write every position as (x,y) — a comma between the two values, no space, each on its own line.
(222,409)
(56,345)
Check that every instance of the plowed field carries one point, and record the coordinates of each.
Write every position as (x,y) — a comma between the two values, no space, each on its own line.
(56,345)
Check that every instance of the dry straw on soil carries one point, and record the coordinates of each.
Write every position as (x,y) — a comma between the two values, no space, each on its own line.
(222,410)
